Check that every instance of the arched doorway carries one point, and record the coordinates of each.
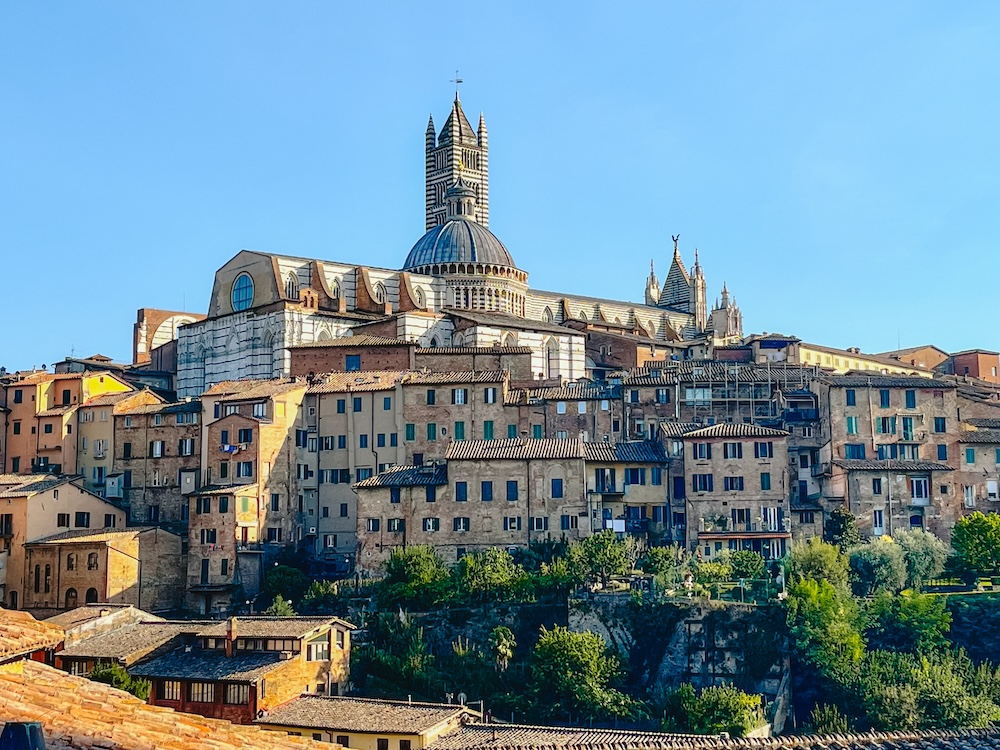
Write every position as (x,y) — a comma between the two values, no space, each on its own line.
(71,599)
(91,596)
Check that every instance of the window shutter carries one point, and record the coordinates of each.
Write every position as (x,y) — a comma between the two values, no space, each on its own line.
(708,451)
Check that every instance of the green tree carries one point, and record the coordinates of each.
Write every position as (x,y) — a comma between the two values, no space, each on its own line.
(877,566)
(976,541)
(818,561)
(747,564)
(323,598)
(712,571)
(416,576)
(916,623)
(280,607)
(116,676)
(714,710)
(574,675)
(826,719)
(491,574)
(502,645)
(823,621)
(924,555)
(600,556)
(284,580)
(667,565)
(841,529)
(558,575)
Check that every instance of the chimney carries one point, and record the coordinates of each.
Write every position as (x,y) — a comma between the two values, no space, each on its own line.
(230,635)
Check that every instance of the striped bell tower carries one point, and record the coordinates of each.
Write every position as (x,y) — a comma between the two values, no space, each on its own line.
(458,151)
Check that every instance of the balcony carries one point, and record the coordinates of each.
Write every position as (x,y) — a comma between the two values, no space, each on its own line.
(609,488)
(920,502)
(801,415)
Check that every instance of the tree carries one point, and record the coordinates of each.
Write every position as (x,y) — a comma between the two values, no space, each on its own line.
(976,541)
(915,623)
(712,571)
(716,709)
(491,574)
(417,576)
(877,566)
(824,719)
(841,529)
(747,564)
(286,581)
(924,555)
(323,598)
(574,675)
(280,607)
(502,645)
(600,556)
(116,676)
(667,565)
(823,621)
(818,561)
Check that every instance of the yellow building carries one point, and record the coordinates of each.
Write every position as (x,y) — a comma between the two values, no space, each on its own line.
(367,723)
(95,448)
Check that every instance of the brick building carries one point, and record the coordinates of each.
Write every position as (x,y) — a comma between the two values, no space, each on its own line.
(575,411)
(96,446)
(351,354)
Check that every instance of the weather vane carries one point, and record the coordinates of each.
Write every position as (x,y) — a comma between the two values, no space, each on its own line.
(458,82)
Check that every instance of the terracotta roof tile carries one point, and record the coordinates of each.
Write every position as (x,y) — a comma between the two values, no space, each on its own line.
(517,450)
(186,407)
(78,714)
(109,399)
(56,411)
(889,464)
(474,350)
(129,641)
(239,390)
(580,392)
(362,714)
(407,476)
(992,423)
(677,429)
(446,378)
(859,380)
(735,430)
(980,436)
(20,634)
(90,535)
(35,485)
(646,451)
(210,664)
(365,380)
(272,627)
(354,341)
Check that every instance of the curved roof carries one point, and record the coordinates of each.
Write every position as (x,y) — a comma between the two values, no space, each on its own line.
(458,241)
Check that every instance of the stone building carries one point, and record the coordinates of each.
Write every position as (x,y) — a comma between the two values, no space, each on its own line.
(137,566)
(978,475)
(575,411)
(157,459)
(34,507)
(630,481)
(888,451)
(736,490)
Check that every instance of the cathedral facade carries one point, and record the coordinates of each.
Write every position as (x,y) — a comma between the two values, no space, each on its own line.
(459,286)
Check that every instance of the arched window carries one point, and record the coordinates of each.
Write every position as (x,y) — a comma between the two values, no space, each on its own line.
(380,293)
(292,286)
(242,294)
(70,598)
(48,578)
(335,289)
(92,561)
(434,342)
(547,315)
(419,294)
(551,358)
(91,596)
(71,561)
(38,578)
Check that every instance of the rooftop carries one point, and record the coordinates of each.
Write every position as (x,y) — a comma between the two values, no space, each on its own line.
(513,450)
(20,634)
(407,476)
(859,380)
(569,392)
(250,389)
(980,436)
(136,639)
(78,714)
(735,430)
(82,536)
(88,612)
(229,489)
(522,737)
(888,464)
(474,350)
(646,451)
(272,627)
(210,665)
(365,380)
(361,714)
(35,484)
(353,341)
(180,407)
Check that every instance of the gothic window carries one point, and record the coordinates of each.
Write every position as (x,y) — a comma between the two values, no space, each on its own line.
(551,358)
(547,315)
(419,294)
(335,289)
(292,286)
(380,293)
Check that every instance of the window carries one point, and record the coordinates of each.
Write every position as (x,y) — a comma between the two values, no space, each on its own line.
(854,450)
(343,510)
(487,429)
(461,492)
(920,488)
(850,397)
(47,429)
(876,485)
(237,695)
(344,739)
(342,442)
(569,522)
(318,650)
(242,292)
(765,480)
(156,449)
(82,520)
(633,395)
(356,404)
(991,489)
(459,395)
(362,441)
(807,516)
(878,522)
(382,744)
(911,399)
(201,692)
(460,524)
(940,424)
(224,567)
(852,425)
(942,452)
(538,523)
(885,425)
(17,429)
(432,524)
(185,447)
(360,474)
(410,432)
(512,491)
(635,475)
(244,469)
(209,536)
(512,523)
(352,363)
(883,398)
(701,482)
(432,431)
(430,493)
(170,690)
(763,449)
(259,410)
(275,502)
(732,450)
(393,440)
(91,561)
(511,431)
(557,488)
(662,396)
(18,396)
(395,525)
(62,520)
(459,433)
(109,520)
(490,396)
(732,484)
(341,406)
(970,455)
(561,407)
(536,432)
(581,407)
(701,451)
(431,397)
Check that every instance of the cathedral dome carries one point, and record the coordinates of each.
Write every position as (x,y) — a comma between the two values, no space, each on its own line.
(458,240)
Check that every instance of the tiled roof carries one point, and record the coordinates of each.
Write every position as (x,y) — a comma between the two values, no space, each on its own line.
(90,535)
(888,464)
(886,381)
(502,320)
(368,380)
(56,411)
(109,399)
(20,634)
(229,489)
(668,373)
(407,476)
(676,429)
(129,640)
(271,627)
(353,341)
(80,615)
(858,355)
(735,430)
(990,422)
(210,664)
(516,450)
(14,480)
(446,378)
(248,389)
(521,737)
(180,407)
(980,436)
(581,392)
(361,714)
(474,350)
(646,451)
(78,714)
(36,484)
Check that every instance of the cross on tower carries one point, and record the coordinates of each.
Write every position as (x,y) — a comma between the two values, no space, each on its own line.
(458,82)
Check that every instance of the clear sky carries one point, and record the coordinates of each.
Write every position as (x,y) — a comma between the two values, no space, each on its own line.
(837,163)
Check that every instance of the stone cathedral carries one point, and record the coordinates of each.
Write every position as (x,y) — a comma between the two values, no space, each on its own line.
(459,286)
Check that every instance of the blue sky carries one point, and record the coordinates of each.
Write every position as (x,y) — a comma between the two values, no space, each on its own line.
(837,163)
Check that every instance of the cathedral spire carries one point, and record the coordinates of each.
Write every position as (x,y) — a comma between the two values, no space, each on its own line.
(652,286)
